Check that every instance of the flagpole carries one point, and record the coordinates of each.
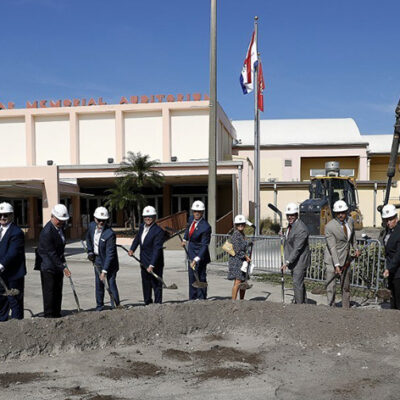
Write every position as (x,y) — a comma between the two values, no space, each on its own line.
(212,154)
(256,141)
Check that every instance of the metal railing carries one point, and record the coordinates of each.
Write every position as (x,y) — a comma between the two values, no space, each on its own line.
(366,270)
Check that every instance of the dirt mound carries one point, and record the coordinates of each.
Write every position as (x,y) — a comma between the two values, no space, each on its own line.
(308,325)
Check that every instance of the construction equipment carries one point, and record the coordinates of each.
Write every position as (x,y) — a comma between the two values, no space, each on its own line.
(393,159)
(165,286)
(325,190)
(277,211)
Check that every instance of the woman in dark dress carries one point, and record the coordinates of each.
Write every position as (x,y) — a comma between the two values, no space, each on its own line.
(240,245)
(392,252)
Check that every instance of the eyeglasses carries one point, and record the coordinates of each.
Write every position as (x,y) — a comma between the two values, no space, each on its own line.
(5,215)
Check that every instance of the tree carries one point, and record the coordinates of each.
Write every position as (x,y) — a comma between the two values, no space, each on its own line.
(135,172)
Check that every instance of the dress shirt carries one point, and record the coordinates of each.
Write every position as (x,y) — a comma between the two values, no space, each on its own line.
(3,230)
(146,229)
(96,240)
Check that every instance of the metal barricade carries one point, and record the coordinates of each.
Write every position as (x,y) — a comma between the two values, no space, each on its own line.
(366,270)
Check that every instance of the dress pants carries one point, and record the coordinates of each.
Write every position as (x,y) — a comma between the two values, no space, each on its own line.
(52,286)
(298,274)
(112,283)
(149,283)
(344,283)
(394,286)
(197,293)
(13,303)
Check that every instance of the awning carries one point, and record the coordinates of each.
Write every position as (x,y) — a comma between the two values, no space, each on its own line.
(33,188)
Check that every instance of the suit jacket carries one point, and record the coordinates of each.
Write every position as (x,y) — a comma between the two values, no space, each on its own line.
(12,253)
(337,250)
(50,251)
(392,252)
(296,248)
(107,258)
(151,250)
(199,241)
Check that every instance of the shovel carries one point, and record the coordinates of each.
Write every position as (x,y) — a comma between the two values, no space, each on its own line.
(8,292)
(75,294)
(165,286)
(105,282)
(197,283)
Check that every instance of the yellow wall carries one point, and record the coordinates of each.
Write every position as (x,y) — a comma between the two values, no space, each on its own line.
(319,163)
(378,168)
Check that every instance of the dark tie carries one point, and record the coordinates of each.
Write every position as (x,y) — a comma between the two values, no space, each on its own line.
(345,230)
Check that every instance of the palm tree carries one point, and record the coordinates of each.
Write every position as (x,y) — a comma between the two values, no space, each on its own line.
(141,169)
(135,172)
(125,196)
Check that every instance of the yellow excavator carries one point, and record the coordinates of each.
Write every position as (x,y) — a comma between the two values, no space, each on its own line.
(316,211)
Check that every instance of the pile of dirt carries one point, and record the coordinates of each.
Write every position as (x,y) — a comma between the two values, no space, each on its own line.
(302,325)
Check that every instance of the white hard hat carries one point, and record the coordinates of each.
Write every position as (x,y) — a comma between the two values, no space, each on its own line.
(149,211)
(60,212)
(240,219)
(6,208)
(198,206)
(340,206)
(101,213)
(387,211)
(292,208)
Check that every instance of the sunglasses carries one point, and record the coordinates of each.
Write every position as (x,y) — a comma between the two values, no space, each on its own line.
(5,215)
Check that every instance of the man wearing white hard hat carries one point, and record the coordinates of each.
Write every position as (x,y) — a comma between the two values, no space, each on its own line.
(50,261)
(12,264)
(297,254)
(150,238)
(391,241)
(101,245)
(197,238)
(340,240)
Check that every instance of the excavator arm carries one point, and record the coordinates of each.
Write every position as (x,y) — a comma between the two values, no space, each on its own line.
(393,158)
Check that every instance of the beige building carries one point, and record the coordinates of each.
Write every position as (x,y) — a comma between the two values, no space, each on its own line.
(292,151)
(70,154)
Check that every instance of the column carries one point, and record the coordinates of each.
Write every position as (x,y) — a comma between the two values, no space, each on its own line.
(74,137)
(119,137)
(32,219)
(76,228)
(166,129)
(30,140)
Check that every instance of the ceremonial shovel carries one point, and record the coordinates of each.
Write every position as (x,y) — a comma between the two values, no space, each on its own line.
(8,292)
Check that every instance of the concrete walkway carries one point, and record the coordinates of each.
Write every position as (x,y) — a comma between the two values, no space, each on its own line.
(129,282)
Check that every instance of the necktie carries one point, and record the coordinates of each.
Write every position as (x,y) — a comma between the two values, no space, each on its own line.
(192,228)
(288,230)
(345,230)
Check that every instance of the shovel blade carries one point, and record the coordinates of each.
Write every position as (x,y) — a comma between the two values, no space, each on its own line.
(199,285)
(245,286)
(172,286)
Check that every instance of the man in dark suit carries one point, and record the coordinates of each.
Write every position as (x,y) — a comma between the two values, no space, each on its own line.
(50,261)
(296,251)
(151,239)
(197,238)
(12,264)
(102,251)
(391,241)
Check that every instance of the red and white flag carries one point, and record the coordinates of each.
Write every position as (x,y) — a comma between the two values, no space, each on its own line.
(247,75)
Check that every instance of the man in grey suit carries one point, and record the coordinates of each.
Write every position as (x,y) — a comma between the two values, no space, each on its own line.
(297,254)
(340,239)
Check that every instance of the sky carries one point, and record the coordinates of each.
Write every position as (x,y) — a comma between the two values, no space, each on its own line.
(321,59)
